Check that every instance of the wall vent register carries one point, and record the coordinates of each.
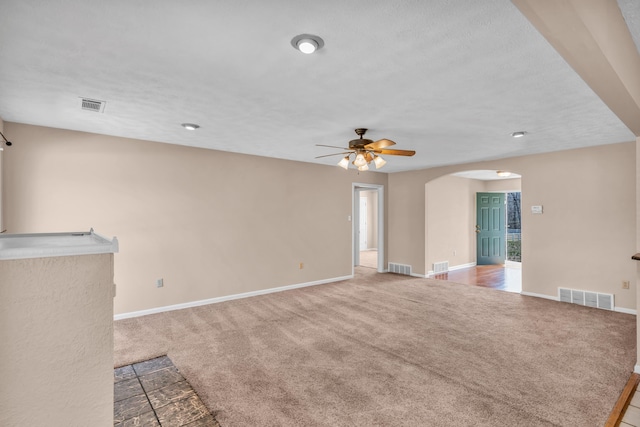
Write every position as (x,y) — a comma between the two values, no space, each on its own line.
(586,298)
(440,267)
(399,268)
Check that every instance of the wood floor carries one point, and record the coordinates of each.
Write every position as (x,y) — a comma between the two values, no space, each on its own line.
(503,277)
(506,277)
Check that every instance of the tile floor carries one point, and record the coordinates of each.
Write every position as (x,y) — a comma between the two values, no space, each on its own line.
(632,414)
(154,394)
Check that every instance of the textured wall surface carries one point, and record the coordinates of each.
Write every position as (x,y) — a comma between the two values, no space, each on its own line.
(451,217)
(215,224)
(581,241)
(56,330)
(209,223)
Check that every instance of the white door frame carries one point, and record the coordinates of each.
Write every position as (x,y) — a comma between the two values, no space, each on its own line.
(355,226)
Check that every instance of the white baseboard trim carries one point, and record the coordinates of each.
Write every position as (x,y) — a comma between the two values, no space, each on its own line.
(227,298)
(625,310)
(422,276)
(636,369)
(533,294)
(461,266)
(430,273)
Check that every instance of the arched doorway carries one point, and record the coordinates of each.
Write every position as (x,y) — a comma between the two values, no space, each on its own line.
(454,238)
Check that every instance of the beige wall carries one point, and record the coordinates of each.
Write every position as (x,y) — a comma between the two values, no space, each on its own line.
(214,224)
(450,217)
(583,239)
(209,223)
(503,185)
(56,330)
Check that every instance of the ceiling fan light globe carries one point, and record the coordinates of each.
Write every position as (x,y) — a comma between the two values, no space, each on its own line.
(363,168)
(360,161)
(344,163)
(379,162)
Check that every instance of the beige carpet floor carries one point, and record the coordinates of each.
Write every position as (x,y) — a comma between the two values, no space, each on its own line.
(389,350)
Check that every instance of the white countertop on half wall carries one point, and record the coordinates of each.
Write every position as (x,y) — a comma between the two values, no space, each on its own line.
(43,245)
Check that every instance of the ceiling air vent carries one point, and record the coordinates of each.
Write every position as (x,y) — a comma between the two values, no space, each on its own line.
(93,105)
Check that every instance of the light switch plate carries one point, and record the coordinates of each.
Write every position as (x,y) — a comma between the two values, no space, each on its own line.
(536,209)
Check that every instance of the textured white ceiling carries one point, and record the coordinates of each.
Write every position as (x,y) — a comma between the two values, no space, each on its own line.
(631,13)
(449,79)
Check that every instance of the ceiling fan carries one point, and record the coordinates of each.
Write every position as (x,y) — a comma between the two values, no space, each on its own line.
(366,151)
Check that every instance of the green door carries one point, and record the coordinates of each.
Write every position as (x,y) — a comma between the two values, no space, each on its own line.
(490,228)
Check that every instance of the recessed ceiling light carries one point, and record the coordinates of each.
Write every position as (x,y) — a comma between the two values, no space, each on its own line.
(503,173)
(190,126)
(518,134)
(307,43)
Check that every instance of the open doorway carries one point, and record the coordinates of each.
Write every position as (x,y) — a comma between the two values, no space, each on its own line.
(491,225)
(514,227)
(451,229)
(499,228)
(368,211)
(368,229)
(499,241)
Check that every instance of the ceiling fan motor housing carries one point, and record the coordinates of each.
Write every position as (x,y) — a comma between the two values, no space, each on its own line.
(366,151)
(359,143)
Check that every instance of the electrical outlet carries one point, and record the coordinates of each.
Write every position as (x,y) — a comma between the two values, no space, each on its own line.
(625,284)
(454,252)
(159,283)
(301,265)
